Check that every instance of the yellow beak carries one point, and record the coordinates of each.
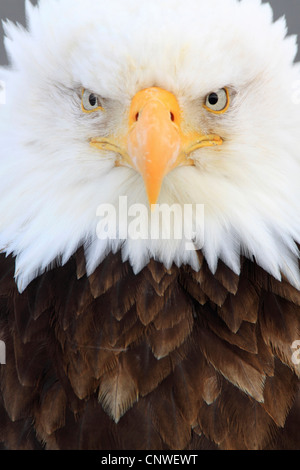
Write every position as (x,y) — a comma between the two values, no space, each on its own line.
(155,143)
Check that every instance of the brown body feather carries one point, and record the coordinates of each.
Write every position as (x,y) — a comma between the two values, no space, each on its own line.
(166,359)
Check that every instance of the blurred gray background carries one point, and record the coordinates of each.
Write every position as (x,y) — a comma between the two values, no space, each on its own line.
(14,10)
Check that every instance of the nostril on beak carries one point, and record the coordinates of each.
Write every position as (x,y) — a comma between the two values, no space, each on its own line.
(137,116)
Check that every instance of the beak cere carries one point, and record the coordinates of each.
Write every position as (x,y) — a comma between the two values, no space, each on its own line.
(155,143)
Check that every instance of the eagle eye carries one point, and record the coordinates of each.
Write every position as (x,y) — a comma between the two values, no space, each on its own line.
(217,102)
(90,102)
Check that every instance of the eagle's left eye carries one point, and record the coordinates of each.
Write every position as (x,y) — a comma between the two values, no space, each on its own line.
(217,102)
(90,102)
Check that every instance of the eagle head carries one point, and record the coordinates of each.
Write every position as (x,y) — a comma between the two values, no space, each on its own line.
(162,103)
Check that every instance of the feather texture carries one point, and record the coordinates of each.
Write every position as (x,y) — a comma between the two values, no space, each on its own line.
(95,365)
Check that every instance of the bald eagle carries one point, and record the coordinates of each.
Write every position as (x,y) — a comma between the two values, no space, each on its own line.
(119,119)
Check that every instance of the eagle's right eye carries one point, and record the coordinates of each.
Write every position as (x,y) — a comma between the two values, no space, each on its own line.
(90,102)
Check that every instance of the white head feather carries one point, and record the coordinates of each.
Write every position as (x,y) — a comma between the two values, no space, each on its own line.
(52,181)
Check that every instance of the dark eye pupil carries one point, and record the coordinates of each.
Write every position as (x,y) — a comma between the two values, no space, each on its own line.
(213,98)
(93,100)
